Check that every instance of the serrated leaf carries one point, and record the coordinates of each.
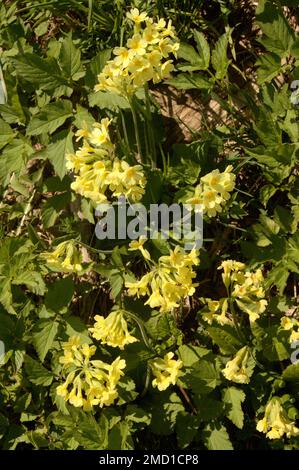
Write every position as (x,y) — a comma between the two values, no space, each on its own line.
(233,397)
(6,133)
(217,438)
(59,294)
(57,151)
(189,54)
(50,117)
(44,338)
(226,338)
(44,74)
(274,25)
(107,100)
(70,59)
(37,373)
(220,61)
(203,49)
(183,81)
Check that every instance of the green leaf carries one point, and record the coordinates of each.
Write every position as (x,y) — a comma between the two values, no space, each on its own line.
(53,207)
(57,150)
(90,434)
(274,25)
(50,117)
(107,100)
(182,81)
(14,158)
(44,338)
(70,59)
(225,337)
(269,66)
(59,294)
(233,397)
(291,373)
(217,438)
(41,73)
(95,67)
(6,133)
(203,49)
(37,373)
(191,354)
(202,377)
(189,54)
(220,61)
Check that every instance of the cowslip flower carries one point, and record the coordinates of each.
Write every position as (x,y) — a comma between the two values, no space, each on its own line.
(66,258)
(216,310)
(213,191)
(166,371)
(98,171)
(246,288)
(88,382)
(236,370)
(292,325)
(112,330)
(136,16)
(169,282)
(145,57)
(139,245)
(275,422)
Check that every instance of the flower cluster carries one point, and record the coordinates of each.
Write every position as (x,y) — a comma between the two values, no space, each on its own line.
(275,422)
(89,382)
(245,287)
(292,325)
(99,172)
(216,310)
(112,330)
(166,371)
(65,258)
(237,369)
(169,282)
(213,191)
(146,57)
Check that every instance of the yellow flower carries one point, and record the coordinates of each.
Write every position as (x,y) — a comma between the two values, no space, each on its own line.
(213,191)
(169,282)
(236,369)
(146,57)
(135,16)
(275,422)
(290,324)
(99,135)
(112,330)
(97,170)
(123,56)
(88,382)
(166,371)
(138,245)
(137,44)
(216,310)
(82,133)
(66,258)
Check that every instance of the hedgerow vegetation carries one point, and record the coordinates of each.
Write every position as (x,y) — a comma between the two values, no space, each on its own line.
(143,344)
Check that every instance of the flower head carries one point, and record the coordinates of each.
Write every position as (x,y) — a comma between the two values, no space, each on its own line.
(166,371)
(236,370)
(88,382)
(112,330)
(275,422)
